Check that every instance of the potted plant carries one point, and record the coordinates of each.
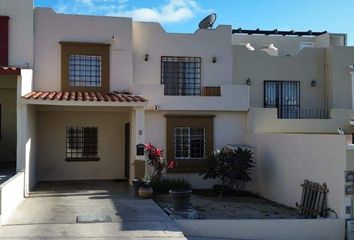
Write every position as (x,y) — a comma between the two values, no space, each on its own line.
(180,199)
(232,168)
(138,183)
(157,166)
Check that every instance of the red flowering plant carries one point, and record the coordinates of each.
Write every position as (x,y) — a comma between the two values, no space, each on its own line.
(157,162)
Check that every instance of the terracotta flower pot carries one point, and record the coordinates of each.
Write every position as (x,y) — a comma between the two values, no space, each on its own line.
(180,199)
(137,183)
(145,192)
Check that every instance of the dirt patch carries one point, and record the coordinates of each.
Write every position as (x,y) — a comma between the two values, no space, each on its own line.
(232,207)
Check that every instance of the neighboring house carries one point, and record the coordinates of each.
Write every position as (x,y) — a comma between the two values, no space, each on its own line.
(104,85)
(16,53)
(16,61)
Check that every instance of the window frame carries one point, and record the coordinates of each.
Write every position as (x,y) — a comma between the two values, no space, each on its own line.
(80,141)
(190,165)
(189,139)
(87,49)
(181,80)
(85,70)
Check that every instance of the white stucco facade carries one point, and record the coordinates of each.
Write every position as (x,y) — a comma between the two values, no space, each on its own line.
(135,53)
(51,28)
(20,31)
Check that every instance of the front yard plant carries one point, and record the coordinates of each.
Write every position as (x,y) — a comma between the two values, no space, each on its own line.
(232,167)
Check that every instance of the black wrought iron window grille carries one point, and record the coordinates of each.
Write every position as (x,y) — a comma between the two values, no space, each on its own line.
(85,71)
(189,143)
(81,143)
(181,76)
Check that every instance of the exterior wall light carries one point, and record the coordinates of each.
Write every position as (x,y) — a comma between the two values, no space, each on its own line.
(349,176)
(146,57)
(313,83)
(349,190)
(248,82)
(157,107)
(214,59)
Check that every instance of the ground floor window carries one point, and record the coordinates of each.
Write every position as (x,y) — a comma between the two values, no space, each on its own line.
(189,138)
(189,143)
(81,143)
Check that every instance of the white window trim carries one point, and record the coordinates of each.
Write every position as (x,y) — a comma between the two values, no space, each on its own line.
(189,143)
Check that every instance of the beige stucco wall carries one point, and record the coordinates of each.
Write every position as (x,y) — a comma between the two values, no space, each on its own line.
(265,229)
(8,118)
(50,28)
(284,161)
(150,38)
(51,164)
(11,196)
(265,120)
(229,128)
(30,149)
(287,45)
(339,59)
(258,66)
(20,30)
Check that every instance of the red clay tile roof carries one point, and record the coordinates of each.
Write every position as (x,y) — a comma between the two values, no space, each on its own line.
(10,71)
(84,96)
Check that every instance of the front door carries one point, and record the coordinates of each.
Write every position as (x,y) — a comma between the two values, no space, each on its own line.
(283,95)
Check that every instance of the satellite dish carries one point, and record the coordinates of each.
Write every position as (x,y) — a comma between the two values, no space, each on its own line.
(208,21)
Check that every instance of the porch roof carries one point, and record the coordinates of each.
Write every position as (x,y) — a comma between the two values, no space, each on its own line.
(6,70)
(83,96)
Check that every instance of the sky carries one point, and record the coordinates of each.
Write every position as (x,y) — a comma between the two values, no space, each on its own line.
(336,16)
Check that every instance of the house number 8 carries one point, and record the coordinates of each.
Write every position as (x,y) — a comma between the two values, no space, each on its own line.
(140,132)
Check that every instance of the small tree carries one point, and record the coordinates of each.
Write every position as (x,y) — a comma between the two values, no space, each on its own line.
(232,168)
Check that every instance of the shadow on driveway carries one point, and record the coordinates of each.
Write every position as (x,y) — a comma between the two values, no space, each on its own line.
(108,209)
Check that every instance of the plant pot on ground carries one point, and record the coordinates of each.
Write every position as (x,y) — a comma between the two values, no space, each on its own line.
(137,183)
(180,199)
(145,192)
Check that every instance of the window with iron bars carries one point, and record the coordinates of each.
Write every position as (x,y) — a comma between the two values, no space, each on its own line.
(181,76)
(189,143)
(85,71)
(81,144)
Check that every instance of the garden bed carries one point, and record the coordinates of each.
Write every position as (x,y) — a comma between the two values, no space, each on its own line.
(233,207)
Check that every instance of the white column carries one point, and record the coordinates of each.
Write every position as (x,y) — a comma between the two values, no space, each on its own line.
(140,127)
(352,76)
(137,135)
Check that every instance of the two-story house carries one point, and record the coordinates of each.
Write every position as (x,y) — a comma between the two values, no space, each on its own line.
(104,85)
(300,111)
(16,61)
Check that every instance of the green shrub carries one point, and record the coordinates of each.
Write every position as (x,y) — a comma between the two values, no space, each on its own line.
(232,168)
(164,185)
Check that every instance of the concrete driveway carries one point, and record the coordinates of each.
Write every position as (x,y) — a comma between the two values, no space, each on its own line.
(88,210)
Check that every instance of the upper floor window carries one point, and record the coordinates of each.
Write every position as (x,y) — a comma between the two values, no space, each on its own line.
(85,66)
(181,75)
(85,71)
